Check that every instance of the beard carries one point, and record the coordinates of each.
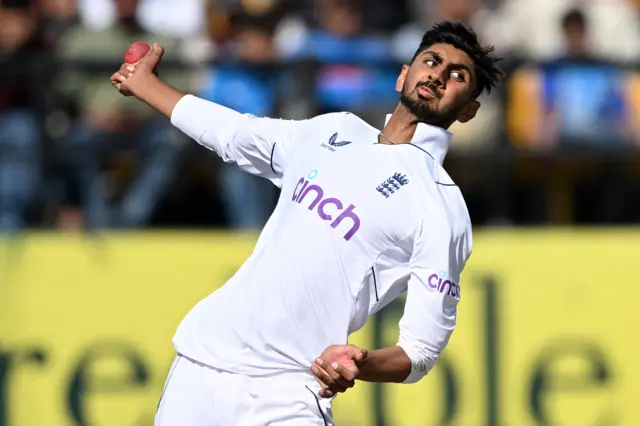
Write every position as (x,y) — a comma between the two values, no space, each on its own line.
(423,112)
(421,109)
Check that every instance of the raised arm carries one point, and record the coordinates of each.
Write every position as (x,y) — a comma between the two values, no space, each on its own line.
(260,146)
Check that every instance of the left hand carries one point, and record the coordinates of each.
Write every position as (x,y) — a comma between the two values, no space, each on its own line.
(336,369)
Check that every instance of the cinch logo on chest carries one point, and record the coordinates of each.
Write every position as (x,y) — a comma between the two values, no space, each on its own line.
(314,197)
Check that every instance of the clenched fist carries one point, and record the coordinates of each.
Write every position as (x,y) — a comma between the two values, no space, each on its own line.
(130,77)
(337,368)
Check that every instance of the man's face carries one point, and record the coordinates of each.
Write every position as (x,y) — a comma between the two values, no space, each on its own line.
(439,86)
(126,8)
(576,39)
(340,19)
(256,46)
(16,29)
(59,8)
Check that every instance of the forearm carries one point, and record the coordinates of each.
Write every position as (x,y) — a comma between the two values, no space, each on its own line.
(389,364)
(159,95)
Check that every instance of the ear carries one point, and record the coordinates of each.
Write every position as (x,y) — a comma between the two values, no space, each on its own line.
(401,78)
(469,111)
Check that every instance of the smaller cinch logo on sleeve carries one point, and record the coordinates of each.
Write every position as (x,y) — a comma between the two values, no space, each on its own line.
(439,283)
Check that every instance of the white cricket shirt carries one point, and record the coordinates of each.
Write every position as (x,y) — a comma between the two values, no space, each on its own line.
(357,224)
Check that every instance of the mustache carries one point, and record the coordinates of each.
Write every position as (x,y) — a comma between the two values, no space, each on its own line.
(430,85)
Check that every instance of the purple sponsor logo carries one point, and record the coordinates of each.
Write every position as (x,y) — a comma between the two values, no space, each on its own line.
(444,286)
(329,209)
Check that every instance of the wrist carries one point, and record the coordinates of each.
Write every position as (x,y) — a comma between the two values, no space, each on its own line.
(157,94)
(389,364)
(145,87)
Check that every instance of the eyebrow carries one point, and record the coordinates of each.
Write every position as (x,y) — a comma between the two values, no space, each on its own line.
(454,65)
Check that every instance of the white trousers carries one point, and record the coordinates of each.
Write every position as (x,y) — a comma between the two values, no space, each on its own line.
(199,395)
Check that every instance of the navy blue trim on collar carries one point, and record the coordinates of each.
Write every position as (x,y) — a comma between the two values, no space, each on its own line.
(406,143)
(421,149)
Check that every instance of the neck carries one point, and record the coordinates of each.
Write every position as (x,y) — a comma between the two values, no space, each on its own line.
(401,126)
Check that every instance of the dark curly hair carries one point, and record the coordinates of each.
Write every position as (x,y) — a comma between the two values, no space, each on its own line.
(460,36)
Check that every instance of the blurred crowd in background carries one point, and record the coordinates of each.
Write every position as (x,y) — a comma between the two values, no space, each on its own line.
(557,144)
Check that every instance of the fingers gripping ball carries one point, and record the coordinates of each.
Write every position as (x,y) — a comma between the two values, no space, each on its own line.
(136,52)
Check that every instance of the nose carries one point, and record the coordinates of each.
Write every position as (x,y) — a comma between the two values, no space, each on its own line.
(437,78)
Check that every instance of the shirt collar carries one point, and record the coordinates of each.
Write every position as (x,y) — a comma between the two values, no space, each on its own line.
(431,139)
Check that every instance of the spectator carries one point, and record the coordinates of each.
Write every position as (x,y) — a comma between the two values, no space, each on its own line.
(427,13)
(248,86)
(20,136)
(57,16)
(583,99)
(358,75)
(529,28)
(106,118)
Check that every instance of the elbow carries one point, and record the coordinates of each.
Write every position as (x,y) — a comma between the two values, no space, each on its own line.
(211,125)
(422,359)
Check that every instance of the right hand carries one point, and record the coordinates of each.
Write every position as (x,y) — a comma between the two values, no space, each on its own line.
(336,369)
(131,76)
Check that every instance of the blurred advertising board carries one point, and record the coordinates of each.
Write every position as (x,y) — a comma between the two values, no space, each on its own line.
(546,334)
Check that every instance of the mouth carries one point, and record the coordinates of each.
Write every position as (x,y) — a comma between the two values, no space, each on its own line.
(426,92)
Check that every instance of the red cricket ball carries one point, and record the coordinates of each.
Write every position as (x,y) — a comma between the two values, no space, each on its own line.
(136,52)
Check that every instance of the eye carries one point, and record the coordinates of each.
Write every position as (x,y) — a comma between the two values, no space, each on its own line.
(430,63)
(457,75)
